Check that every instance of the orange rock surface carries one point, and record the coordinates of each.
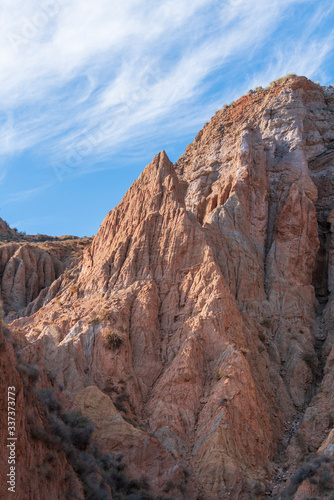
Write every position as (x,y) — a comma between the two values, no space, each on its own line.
(196,331)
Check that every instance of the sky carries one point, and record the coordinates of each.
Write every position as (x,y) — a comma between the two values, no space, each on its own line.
(91,91)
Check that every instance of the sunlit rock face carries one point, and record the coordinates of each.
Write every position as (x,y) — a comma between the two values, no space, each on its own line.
(196,331)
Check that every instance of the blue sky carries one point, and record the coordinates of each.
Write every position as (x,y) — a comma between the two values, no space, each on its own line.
(91,91)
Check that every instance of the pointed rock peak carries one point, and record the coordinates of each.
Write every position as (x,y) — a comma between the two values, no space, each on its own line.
(162,156)
(3,226)
(159,175)
(158,171)
(162,162)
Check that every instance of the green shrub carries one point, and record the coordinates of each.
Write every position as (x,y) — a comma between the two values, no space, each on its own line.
(282,79)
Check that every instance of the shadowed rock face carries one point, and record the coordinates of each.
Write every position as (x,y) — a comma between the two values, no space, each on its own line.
(30,272)
(41,471)
(197,331)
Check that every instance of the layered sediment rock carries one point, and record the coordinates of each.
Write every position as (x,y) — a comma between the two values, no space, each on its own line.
(30,272)
(201,321)
(29,468)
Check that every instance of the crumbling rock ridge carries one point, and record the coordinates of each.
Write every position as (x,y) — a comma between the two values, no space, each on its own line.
(196,332)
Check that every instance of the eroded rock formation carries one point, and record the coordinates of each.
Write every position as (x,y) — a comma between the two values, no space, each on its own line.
(197,331)
(30,272)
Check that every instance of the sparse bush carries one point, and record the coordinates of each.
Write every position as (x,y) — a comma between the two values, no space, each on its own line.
(51,457)
(124,328)
(316,472)
(81,428)
(244,350)
(266,322)
(94,320)
(258,488)
(120,400)
(105,314)
(220,374)
(302,473)
(2,311)
(325,483)
(45,472)
(39,434)
(73,289)
(282,79)
(71,433)
(47,399)
(186,471)
(120,406)
(123,397)
(7,332)
(300,440)
(308,357)
(262,337)
(112,340)
(28,371)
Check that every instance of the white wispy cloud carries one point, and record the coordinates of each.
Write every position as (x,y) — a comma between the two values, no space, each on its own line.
(24,195)
(81,79)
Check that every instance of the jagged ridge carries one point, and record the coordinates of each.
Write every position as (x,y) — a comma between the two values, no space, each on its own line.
(204,275)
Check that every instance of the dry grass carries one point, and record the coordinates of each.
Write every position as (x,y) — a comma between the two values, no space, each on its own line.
(226,375)
(105,314)
(112,340)
(73,289)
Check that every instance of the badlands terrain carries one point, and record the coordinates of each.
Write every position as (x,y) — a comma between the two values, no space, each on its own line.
(186,350)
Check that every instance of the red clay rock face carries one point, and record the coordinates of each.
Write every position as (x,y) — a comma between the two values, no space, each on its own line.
(199,324)
(40,471)
(29,274)
(4,228)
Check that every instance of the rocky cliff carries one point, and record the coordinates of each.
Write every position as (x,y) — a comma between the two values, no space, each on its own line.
(196,331)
